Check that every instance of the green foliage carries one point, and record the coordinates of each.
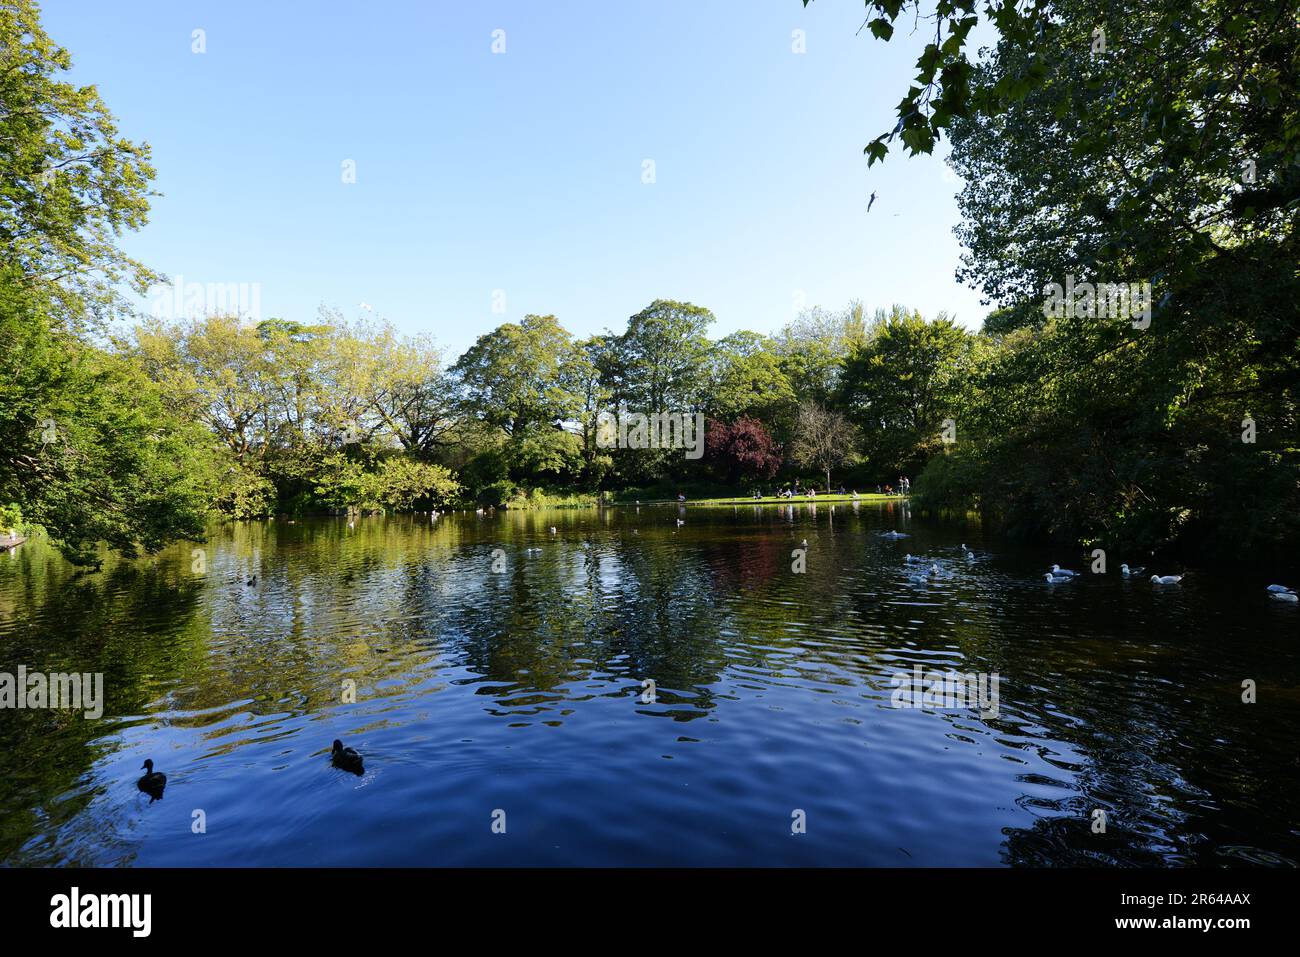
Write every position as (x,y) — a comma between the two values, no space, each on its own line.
(509,377)
(381,483)
(746,379)
(244,494)
(88,447)
(900,383)
(1129,166)
(69,182)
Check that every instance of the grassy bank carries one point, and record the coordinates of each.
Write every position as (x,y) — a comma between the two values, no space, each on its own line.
(774,500)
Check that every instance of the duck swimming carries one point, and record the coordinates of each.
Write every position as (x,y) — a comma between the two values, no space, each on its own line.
(349,759)
(153,781)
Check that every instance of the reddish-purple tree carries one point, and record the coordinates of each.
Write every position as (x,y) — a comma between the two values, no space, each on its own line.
(743,449)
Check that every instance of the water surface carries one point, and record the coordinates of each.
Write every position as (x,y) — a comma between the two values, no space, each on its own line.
(519,693)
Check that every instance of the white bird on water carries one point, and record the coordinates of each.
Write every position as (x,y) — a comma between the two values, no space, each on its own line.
(1166,579)
(1057,579)
(1284,595)
(1129,572)
(1059,571)
(681,521)
(1281,589)
(894,535)
(552,529)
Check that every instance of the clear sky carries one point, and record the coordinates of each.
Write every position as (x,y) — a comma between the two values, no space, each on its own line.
(523,171)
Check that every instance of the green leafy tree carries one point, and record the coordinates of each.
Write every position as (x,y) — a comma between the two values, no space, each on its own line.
(509,377)
(900,384)
(662,357)
(746,379)
(70,183)
(1170,157)
(89,449)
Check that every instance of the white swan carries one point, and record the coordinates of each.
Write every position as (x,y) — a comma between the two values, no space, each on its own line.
(1059,571)
(1129,572)
(1166,579)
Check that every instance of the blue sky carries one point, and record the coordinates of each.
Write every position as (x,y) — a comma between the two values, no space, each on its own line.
(522,171)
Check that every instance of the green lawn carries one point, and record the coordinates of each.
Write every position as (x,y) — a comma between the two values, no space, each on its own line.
(773,500)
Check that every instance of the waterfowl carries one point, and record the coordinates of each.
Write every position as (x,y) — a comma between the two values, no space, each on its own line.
(1281,589)
(681,521)
(1284,595)
(1166,579)
(804,543)
(349,759)
(1128,572)
(934,570)
(1057,579)
(893,535)
(251,582)
(1058,570)
(153,782)
(552,529)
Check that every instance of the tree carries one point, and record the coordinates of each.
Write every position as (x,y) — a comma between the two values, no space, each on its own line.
(584,376)
(900,384)
(69,183)
(405,393)
(662,357)
(1172,157)
(813,347)
(742,449)
(509,377)
(823,439)
(89,449)
(746,379)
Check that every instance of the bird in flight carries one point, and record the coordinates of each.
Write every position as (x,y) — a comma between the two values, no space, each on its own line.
(871,202)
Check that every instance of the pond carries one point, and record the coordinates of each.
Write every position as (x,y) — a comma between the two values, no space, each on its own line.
(625,690)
